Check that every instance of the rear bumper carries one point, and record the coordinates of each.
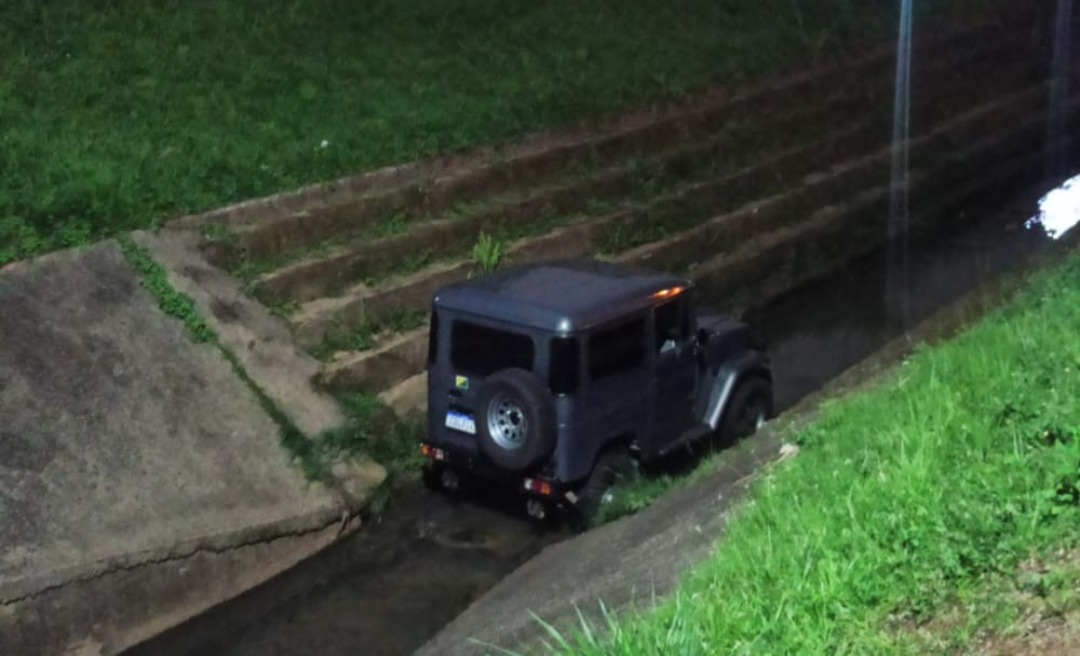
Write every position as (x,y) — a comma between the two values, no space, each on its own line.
(439,456)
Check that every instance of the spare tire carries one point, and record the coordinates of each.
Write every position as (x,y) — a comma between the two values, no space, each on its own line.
(516,419)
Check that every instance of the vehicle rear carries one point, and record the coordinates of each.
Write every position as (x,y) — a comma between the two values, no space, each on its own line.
(464,352)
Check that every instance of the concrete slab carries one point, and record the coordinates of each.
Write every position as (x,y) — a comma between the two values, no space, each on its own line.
(122,442)
(261,341)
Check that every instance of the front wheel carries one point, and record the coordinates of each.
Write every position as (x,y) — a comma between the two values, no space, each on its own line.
(608,478)
(750,407)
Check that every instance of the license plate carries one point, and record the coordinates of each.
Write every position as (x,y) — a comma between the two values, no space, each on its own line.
(460,422)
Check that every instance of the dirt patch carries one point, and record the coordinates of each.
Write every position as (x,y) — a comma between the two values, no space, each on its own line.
(1047,614)
(1045,636)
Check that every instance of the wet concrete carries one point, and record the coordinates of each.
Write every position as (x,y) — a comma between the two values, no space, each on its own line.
(820,329)
(391,587)
(383,591)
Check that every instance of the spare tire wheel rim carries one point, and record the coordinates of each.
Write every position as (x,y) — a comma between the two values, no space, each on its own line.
(506,422)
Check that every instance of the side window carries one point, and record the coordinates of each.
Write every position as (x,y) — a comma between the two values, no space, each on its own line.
(617,349)
(672,324)
(565,362)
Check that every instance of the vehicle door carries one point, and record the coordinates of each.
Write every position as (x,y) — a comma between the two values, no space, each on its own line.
(674,372)
(615,398)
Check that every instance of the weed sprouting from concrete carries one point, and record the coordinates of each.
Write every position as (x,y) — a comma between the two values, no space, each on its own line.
(487,253)
(374,429)
(156,281)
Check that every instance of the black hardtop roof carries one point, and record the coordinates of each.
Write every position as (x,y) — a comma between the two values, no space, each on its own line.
(559,296)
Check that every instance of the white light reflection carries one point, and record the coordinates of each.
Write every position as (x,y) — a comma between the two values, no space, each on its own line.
(1059,210)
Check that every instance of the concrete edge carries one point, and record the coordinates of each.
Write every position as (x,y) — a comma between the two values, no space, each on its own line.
(340,506)
(109,614)
(28,587)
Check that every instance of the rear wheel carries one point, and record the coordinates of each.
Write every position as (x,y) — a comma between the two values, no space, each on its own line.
(608,478)
(430,476)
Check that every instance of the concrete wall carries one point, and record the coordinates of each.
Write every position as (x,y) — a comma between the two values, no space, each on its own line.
(141,480)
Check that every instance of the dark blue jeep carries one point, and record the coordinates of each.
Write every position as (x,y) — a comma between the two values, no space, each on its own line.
(560,377)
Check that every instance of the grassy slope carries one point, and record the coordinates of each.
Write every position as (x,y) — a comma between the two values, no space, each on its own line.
(906,500)
(116,114)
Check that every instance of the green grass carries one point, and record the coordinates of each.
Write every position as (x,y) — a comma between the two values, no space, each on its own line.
(905,499)
(366,334)
(116,115)
(373,429)
(635,495)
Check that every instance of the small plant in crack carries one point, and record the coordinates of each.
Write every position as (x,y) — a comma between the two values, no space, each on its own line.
(488,253)
(390,225)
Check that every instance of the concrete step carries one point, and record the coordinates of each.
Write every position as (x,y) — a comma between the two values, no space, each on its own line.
(749,277)
(715,198)
(409,397)
(951,164)
(371,257)
(375,370)
(301,220)
(366,258)
(726,231)
(315,320)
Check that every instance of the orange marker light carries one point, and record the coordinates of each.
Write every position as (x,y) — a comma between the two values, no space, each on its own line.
(668,293)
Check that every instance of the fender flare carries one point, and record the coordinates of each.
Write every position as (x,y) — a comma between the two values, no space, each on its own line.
(727,377)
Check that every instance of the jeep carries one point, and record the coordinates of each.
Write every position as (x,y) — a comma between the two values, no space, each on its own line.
(560,378)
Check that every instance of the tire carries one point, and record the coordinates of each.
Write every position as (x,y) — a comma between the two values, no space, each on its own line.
(751,406)
(612,469)
(515,419)
(430,477)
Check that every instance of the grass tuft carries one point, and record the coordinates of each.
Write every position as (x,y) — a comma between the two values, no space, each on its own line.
(487,253)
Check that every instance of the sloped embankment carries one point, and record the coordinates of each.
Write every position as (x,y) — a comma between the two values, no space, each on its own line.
(748,191)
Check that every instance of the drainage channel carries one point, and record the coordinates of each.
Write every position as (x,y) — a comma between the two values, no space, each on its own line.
(390,587)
